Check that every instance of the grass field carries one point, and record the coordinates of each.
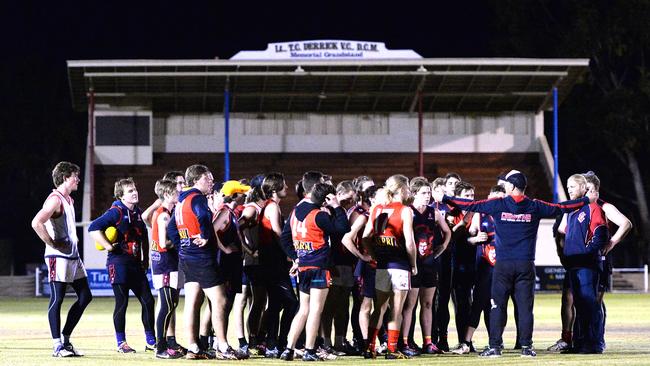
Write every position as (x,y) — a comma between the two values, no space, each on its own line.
(25,338)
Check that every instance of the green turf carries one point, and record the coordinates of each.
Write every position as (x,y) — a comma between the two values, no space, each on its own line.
(25,338)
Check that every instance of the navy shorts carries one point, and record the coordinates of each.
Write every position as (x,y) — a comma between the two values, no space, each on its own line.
(231,267)
(130,274)
(313,278)
(205,272)
(605,275)
(252,276)
(365,275)
(427,277)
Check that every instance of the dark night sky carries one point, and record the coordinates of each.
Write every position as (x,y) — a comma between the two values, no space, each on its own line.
(40,37)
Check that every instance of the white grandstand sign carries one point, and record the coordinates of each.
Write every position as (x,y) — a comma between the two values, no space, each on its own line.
(326,50)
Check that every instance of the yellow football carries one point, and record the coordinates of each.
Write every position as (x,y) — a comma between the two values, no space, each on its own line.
(111,236)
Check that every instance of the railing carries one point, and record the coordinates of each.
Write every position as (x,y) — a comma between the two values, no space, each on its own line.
(643,271)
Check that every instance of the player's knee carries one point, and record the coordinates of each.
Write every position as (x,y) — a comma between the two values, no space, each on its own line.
(84,299)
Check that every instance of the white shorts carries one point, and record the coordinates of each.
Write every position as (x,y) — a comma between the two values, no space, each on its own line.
(392,279)
(65,270)
(165,280)
(343,277)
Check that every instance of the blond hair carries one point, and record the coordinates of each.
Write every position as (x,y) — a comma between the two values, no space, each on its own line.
(580,179)
(392,188)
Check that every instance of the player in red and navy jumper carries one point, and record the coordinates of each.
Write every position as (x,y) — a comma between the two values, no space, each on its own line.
(586,235)
(388,236)
(432,236)
(440,313)
(306,237)
(343,260)
(191,227)
(164,268)
(364,272)
(463,261)
(253,289)
(516,219)
(128,260)
(275,266)
(229,258)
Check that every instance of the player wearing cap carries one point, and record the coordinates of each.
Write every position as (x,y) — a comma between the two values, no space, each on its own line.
(308,231)
(127,261)
(55,226)
(516,219)
(229,257)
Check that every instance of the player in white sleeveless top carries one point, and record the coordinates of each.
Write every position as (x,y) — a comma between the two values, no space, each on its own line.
(55,226)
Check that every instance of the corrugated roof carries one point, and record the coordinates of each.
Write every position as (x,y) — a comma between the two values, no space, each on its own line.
(333,86)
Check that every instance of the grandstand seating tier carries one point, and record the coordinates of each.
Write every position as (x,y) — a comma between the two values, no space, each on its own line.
(480,169)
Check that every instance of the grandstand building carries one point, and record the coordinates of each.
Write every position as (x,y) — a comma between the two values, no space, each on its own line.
(346,108)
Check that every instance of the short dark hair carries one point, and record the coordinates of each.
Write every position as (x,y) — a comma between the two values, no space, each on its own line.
(273,182)
(256,194)
(497,189)
(300,191)
(309,179)
(452,175)
(462,186)
(320,191)
(62,171)
(438,182)
(369,193)
(360,181)
(417,183)
(171,175)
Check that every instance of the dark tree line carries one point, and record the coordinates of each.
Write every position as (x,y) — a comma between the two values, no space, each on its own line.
(605,123)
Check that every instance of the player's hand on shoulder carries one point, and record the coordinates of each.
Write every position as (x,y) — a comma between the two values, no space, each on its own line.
(592,195)
(332,200)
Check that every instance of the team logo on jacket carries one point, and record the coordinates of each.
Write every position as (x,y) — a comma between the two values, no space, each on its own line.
(510,217)
(582,216)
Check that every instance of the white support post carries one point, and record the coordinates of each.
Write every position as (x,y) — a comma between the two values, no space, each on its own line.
(37,282)
(645,278)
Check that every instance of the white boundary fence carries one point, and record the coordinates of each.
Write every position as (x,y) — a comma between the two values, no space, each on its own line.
(643,270)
